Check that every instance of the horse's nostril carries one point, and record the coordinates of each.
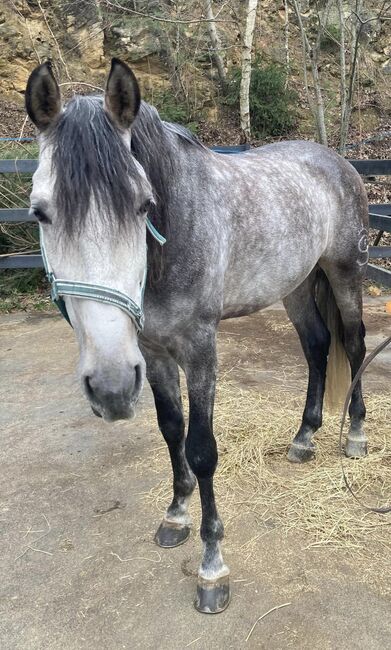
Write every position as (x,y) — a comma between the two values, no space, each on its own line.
(138,379)
(88,387)
(113,397)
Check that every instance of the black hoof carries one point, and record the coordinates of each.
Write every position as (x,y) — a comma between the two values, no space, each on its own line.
(213,596)
(300,454)
(356,447)
(170,534)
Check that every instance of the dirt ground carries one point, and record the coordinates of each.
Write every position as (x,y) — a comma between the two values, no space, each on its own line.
(79,569)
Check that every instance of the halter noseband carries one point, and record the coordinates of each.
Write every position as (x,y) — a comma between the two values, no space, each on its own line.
(60,288)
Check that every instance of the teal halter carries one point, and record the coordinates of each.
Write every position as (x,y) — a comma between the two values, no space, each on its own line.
(60,288)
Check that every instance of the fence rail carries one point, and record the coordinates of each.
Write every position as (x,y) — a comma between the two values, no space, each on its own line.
(379,214)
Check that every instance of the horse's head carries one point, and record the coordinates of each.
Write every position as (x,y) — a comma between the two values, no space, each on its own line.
(91,199)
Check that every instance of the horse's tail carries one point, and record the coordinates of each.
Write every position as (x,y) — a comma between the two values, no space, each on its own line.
(338,369)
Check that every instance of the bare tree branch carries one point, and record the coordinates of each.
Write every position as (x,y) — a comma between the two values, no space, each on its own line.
(184,21)
(54,39)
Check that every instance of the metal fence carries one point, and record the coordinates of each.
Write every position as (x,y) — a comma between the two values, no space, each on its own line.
(379,214)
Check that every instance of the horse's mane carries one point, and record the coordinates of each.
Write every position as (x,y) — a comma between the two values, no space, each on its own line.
(157,152)
(157,145)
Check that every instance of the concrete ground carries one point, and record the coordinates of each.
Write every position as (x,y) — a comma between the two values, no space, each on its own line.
(78,567)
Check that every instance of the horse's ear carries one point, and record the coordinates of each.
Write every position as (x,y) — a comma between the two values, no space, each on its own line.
(122,97)
(43,97)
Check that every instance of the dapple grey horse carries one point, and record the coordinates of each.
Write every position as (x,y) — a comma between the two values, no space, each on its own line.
(285,221)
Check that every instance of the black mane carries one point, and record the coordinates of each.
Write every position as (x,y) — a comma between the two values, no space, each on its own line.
(91,159)
(157,146)
(157,152)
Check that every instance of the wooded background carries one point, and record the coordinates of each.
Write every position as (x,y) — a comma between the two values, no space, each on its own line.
(254,68)
(231,70)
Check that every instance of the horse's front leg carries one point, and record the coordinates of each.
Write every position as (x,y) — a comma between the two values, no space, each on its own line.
(163,376)
(199,362)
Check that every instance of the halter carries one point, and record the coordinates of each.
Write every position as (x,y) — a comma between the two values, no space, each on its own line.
(60,288)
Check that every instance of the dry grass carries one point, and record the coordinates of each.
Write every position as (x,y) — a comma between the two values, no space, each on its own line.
(253,432)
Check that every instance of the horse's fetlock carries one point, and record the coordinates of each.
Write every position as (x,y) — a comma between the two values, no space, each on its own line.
(312,422)
(212,530)
(186,485)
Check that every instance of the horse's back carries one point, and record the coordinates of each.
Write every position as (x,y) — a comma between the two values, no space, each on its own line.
(317,159)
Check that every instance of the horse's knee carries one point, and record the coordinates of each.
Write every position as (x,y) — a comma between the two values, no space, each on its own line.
(170,419)
(172,428)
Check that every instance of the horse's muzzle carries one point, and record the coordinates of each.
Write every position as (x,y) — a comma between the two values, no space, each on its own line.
(111,400)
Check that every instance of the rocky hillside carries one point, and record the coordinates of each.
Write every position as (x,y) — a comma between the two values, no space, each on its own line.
(173,61)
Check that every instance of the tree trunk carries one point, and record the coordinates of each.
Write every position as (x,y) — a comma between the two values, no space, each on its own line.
(354,58)
(170,58)
(343,94)
(246,69)
(321,123)
(287,55)
(216,44)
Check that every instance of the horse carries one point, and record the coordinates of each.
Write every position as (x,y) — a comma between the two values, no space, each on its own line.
(286,221)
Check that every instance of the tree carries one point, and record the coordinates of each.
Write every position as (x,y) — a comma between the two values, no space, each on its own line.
(311,59)
(216,45)
(351,34)
(245,123)
(358,21)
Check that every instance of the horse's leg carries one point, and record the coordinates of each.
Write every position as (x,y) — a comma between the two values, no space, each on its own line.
(163,376)
(347,288)
(315,340)
(198,358)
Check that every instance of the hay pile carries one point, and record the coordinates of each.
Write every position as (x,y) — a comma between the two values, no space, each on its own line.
(253,432)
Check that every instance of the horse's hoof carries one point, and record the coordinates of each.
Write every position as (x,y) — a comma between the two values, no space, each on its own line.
(356,447)
(300,453)
(213,596)
(169,534)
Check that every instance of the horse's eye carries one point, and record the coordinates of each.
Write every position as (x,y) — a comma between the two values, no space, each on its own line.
(40,215)
(146,206)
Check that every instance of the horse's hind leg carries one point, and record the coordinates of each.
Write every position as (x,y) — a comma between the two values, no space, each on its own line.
(315,340)
(163,376)
(346,284)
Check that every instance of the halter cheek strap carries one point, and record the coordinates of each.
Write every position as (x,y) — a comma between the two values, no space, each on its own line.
(85,290)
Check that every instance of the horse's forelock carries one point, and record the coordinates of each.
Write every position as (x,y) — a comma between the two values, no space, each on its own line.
(91,160)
